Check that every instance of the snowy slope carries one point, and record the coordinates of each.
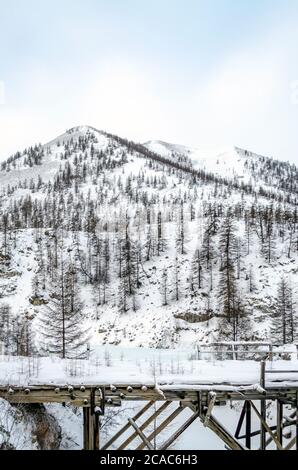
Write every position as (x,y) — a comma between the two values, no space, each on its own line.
(226,162)
(91,173)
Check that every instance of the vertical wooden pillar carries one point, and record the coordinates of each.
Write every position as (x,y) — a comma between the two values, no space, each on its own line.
(248,424)
(91,429)
(91,424)
(279,419)
(297,419)
(263,408)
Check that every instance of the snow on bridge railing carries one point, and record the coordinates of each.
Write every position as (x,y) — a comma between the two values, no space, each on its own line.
(245,350)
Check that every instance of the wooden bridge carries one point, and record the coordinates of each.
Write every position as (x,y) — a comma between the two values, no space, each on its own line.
(200,398)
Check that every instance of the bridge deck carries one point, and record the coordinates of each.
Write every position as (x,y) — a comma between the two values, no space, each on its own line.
(41,380)
(204,385)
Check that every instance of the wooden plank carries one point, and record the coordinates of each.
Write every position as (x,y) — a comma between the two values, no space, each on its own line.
(141,434)
(145,425)
(290,444)
(162,426)
(266,427)
(273,393)
(224,434)
(276,371)
(127,426)
(180,431)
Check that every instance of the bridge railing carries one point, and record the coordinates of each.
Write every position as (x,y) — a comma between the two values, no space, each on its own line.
(245,350)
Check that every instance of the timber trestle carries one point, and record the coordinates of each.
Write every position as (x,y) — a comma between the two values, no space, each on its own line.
(172,409)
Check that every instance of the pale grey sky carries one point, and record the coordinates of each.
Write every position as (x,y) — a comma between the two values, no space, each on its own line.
(193,72)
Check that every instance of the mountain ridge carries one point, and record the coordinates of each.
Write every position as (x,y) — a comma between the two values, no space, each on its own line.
(144,235)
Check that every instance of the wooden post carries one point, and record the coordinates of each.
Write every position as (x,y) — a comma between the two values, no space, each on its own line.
(279,420)
(91,429)
(91,423)
(248,424)
(263,408)
(199,352)
(296,420)
(234,350)
(212,400)
(270,352)
(240,422)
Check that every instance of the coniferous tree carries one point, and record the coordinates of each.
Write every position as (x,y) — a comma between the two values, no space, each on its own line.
(62,322)
(228,248)
(284,318)
(164,286)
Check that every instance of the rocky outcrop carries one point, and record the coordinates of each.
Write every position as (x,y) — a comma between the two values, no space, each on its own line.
(45,429)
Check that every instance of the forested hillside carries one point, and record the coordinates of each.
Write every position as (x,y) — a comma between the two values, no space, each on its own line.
(104,241)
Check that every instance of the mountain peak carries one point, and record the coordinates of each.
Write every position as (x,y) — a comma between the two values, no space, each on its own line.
(82,129)
(75,132)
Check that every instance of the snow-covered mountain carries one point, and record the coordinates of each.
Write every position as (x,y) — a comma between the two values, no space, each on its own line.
(147,234)
(231,162)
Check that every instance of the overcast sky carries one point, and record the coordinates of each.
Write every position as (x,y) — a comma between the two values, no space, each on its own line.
(218,72)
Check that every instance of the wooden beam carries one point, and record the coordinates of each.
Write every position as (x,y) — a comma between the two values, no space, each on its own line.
(212,400)
(248,424)
(266,427)
(290,444)
(180,431)
(77,397)
(127,426)
(297,417)
(263,408)
(224,434)
(162,426)
(145,425)
(240,422)
(141,434)
(91,429)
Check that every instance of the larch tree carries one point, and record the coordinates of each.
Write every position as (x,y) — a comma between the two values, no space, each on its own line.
(233,312)
(284,317)
(62,321)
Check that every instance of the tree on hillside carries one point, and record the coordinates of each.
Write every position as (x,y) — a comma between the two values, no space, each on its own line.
(164,286)
(181,231)
(284,317)
(232,310)
(61,323)
(227,283)
(5,327)
(236,328)
(196,275)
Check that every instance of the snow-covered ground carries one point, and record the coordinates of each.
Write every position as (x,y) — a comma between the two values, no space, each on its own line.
(164,369)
